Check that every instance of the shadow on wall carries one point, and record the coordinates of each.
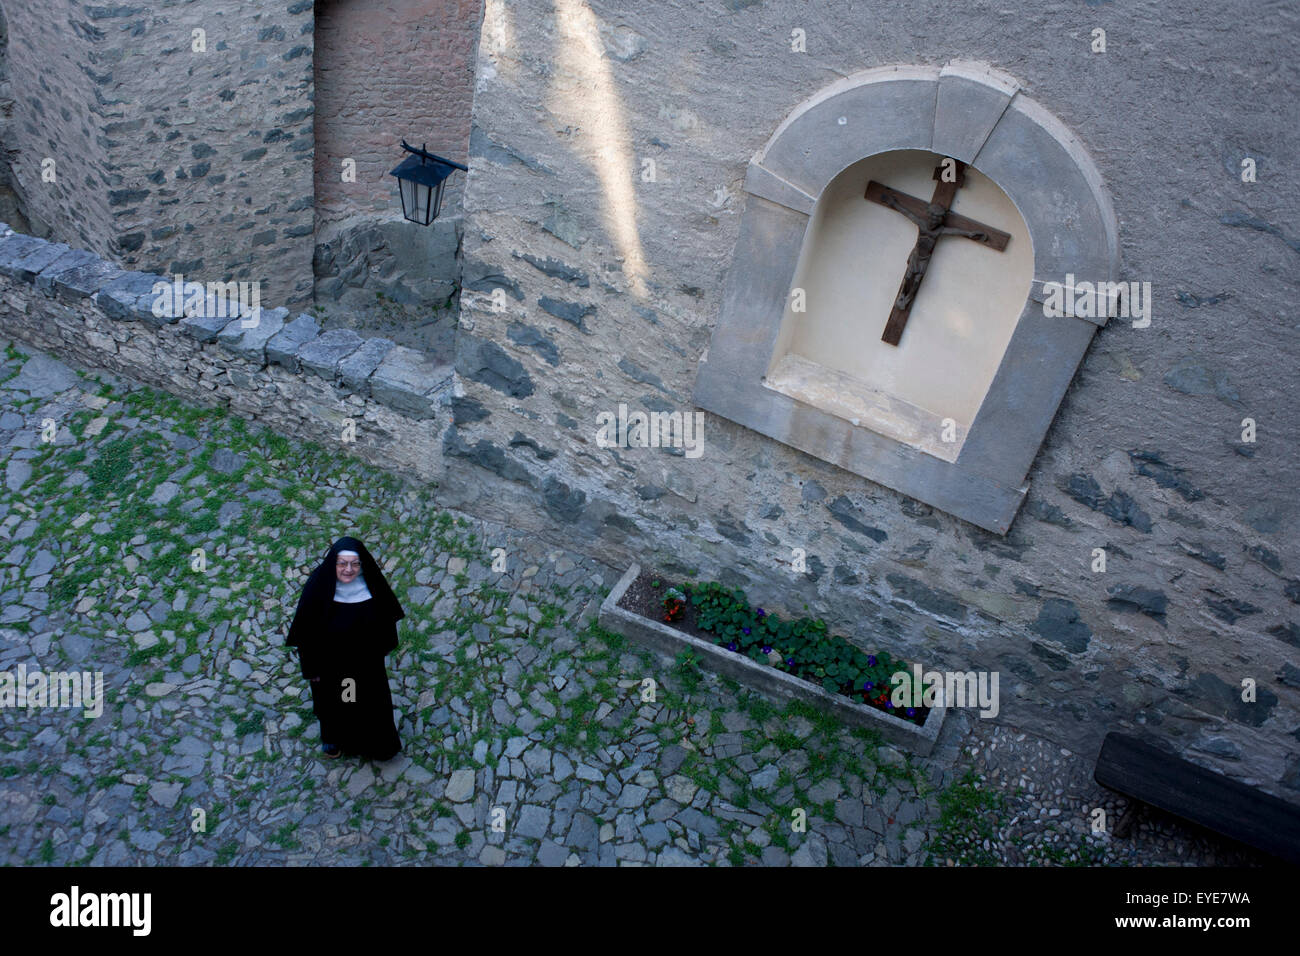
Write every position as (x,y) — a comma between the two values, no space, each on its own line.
(391,278)
(12,208)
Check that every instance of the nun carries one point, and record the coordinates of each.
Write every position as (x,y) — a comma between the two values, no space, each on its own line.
(345,624)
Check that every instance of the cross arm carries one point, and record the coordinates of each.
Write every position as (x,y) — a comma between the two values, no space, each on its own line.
(954,224)
(957,225)
(914,209)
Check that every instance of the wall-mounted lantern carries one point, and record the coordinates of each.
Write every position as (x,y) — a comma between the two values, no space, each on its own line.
(421,178)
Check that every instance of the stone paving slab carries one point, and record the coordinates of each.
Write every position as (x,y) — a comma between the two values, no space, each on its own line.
(83,281)
(322,355)
(122,297)
(205,326)
(67,266)
(356,369)
(29,260)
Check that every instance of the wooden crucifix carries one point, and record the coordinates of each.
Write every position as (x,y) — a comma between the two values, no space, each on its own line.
(934,220)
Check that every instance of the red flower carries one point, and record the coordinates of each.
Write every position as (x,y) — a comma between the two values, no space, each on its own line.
(673,609)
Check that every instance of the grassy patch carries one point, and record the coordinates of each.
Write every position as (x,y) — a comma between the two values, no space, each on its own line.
(254,722)
(969,815)
(110,469)
(284,838)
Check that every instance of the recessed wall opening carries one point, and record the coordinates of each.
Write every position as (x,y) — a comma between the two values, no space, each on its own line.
(853,260)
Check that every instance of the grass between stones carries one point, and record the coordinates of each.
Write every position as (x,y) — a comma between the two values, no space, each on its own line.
(969,815)
(972,814)
(241,569)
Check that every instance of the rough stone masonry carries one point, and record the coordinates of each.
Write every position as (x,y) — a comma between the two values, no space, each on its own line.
(590,284)
(607,156)
(381,401)
(179,150)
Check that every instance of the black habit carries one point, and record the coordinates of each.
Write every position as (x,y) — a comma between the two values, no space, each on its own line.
(340,642)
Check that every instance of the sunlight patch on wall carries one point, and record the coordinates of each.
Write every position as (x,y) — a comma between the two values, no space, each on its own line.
(584,95)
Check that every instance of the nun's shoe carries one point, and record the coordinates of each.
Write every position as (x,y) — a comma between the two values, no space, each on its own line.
(331,751)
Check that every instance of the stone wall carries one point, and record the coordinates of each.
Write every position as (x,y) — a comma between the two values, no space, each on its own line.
(283,371)
(590,284)
(205,163)
(58,169)
(392,278)
(607,157)
(11,206)
(167,158)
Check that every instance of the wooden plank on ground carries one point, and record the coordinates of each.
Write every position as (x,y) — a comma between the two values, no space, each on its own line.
(1139,770)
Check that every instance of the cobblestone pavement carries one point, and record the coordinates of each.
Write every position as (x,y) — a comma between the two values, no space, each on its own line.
(526,738)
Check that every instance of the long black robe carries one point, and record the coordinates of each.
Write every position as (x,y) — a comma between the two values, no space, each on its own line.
(356,718)
(338,642)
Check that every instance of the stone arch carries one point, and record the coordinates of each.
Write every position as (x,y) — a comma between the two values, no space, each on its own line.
(976,115)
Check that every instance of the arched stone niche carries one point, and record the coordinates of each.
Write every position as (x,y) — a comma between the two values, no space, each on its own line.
(829,353)
(978,351)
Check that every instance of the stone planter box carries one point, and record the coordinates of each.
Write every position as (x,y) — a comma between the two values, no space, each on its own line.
(768,680)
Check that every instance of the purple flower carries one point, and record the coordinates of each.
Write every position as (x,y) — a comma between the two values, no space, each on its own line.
(889,704)
(766,649)
(911,711)
(746,630)
(790,661)
(761,612)
(868,685)
(871,661)
(731,646)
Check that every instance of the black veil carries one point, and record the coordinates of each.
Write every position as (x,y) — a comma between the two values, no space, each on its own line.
(318,593)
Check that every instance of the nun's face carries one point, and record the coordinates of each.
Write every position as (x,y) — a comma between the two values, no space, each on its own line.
(347,567)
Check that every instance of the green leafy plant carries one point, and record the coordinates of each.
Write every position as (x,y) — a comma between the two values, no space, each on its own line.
(802,647)
(688,670)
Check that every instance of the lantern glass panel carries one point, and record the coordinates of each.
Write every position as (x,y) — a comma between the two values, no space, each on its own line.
(437,200)
(408,197)
(422,203)
(413,202)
